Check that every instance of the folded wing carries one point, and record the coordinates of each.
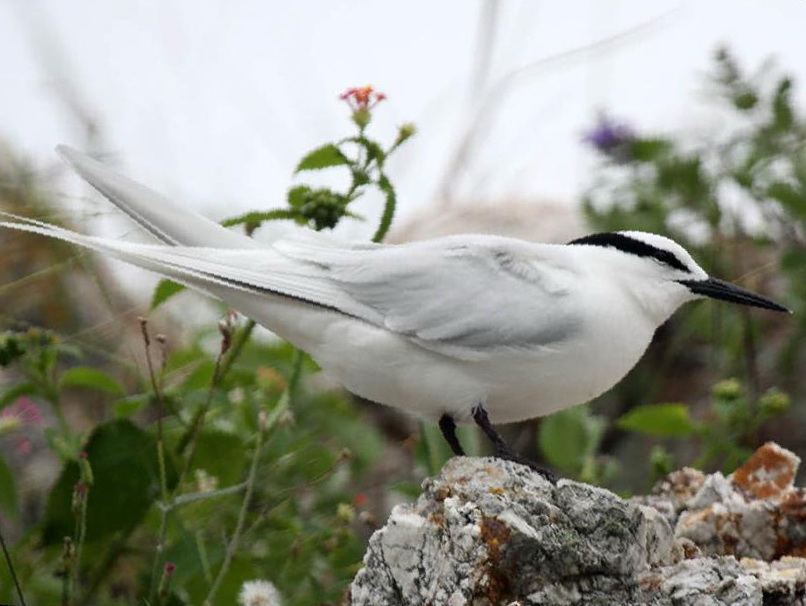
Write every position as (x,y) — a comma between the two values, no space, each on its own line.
(463,297)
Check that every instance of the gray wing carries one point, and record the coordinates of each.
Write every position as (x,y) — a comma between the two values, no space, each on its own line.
(466,297)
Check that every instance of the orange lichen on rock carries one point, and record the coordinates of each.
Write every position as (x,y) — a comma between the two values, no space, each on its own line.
(768,473)
(494,533)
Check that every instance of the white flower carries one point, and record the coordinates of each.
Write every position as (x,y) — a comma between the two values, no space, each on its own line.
(259,593)
(205,481)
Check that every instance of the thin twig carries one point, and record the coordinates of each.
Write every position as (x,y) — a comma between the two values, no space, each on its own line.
(191,437)
(225,327)
(296,373)
(11,569)
(68,563)
(81,533)
(250,487)
(205,561)
(203,496)
(163,531)
(238,343)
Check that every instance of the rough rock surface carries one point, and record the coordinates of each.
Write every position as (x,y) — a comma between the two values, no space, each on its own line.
(489,532)
(753,513)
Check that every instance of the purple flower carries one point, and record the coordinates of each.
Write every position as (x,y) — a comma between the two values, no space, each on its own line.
(611,138)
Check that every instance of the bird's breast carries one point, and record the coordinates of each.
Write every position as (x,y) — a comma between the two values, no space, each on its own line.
(574,371)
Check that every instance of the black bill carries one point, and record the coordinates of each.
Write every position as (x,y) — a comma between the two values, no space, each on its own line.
(725,291)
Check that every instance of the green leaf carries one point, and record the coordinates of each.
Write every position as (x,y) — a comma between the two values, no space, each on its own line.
(200,377)
(568,437)
(322,157)
(84,376)
(126,407)
(665,420)
(220,454)
(298,195)
(124,464)
(164,291)
(745,100)
(239,571)
(793,199)
(9,502)
(792,261)
(15,392)
(647,150)
(783,115)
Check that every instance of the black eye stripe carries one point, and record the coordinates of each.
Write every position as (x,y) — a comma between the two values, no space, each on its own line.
(632,246)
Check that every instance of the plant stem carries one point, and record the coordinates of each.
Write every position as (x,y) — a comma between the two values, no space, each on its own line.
(432,455)
(196,425)
(160,459)
(112,554)
(237,346)
(155,566)
(296,373)
(68,559)
(389,208)
(81,533)
(11,569)
(203,496)
(236,536)
(208,575)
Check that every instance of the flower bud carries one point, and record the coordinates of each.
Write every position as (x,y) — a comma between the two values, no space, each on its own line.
(362,117)
(728,390)
(774,402)
(345,512)
(405,131)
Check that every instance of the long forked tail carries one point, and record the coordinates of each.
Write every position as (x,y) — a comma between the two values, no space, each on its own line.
(162,218)
(233,275)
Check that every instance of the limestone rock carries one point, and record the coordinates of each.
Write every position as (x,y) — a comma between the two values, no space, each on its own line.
(753,513)
(487,532)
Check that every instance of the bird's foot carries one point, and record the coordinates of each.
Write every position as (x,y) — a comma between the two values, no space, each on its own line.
(508,455)
(502,449)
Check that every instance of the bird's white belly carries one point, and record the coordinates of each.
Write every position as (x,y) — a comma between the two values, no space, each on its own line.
(390,369)
(572,372)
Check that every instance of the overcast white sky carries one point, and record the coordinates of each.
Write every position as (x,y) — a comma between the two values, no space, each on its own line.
(213,101)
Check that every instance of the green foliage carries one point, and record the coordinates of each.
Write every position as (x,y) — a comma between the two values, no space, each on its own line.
(323,207)
(570,441)
(219,467)
(126,482)
(165,290)
(689,191)
(230,467)
(91,378)
(322,157)
(665,420)
(9,500)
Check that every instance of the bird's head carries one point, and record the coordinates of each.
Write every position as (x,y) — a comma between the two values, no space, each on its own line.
(662,274)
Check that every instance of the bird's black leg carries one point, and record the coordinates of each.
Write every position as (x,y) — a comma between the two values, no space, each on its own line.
(448,427)
(502,449)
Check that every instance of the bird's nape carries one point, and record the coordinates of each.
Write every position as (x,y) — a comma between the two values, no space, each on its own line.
(726,291)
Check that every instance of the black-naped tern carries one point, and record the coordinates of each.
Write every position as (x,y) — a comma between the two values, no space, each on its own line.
(468,328)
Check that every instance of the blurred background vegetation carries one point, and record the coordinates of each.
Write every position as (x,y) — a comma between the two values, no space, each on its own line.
(168,461)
